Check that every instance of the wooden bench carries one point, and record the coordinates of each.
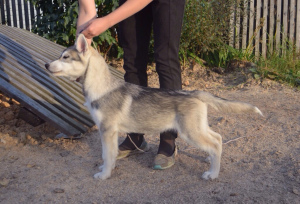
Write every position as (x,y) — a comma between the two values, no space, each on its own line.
(23,77)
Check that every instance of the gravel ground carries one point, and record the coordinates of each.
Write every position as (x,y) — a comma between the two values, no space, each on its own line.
(260,161)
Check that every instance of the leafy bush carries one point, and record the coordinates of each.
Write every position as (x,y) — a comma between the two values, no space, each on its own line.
(205,30)
(204,33)
(57,22)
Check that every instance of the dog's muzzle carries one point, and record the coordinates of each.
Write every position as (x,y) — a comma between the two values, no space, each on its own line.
(47,66)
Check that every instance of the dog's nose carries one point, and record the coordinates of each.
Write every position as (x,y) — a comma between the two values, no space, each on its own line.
(47,66)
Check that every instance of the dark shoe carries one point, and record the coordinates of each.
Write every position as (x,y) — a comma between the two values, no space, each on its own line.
(163,162)
(125,153)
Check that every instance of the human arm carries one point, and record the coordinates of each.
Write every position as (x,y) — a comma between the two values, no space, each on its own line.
(96,26)
(86,13)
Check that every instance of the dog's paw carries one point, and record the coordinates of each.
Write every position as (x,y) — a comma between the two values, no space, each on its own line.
(102,167)
(102,175)
(208,159)
(209,175)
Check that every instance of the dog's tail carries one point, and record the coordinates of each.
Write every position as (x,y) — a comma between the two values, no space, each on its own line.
(224,105)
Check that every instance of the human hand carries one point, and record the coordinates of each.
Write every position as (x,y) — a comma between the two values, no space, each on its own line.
(95,28)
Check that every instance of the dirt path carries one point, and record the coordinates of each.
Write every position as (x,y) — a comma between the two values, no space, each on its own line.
(260,161)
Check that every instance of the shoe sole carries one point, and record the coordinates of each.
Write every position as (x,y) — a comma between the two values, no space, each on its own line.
(128,153)
(158,167)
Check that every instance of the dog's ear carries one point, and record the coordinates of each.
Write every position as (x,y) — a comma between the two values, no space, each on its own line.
(81,44)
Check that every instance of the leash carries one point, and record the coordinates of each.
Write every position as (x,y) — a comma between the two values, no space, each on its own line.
(135,144)
(176,148)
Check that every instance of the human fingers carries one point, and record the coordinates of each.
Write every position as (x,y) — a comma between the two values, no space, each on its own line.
(86,32)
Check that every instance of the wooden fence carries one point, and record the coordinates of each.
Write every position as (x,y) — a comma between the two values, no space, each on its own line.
(265,25)
(256,25)
(17,13)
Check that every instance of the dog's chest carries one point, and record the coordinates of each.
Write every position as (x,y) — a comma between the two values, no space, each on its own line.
(94,112)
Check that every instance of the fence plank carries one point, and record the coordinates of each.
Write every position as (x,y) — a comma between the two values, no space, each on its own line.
(20,13)
(8,13)
(238,26)
(251,23)
(292,20)
(264,31)
(32,9)
(285,24)
(27,25)
(245,22)
(257,37)
(271,25)
(278,24)
(298,25)
(232,27)
(2,13)
(14,13)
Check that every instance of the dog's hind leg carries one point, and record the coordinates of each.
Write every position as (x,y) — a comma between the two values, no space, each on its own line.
(215,135)
(200,135)
(213,147)
(109,140)
(218,137)
(214,150)
(208,141)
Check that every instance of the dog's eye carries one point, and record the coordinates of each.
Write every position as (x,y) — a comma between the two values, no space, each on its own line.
(66,57)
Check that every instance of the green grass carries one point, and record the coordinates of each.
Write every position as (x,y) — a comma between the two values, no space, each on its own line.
(283,67)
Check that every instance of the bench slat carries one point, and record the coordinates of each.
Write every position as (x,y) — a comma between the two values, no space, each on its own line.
(31,64)
(44,79)
(35,107)
(23,76)
(42,92)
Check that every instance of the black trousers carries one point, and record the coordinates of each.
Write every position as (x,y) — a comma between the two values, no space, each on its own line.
(165,17)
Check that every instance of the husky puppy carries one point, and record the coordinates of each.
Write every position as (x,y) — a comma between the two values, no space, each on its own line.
(117,106)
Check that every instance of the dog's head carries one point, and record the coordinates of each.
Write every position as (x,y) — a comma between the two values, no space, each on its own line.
(73,61)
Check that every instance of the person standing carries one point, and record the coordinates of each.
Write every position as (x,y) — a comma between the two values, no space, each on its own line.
(136,19)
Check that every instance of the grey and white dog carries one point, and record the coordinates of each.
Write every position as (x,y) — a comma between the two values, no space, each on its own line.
(117,106)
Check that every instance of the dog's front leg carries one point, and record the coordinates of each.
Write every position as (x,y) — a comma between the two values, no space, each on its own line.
(109,140)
